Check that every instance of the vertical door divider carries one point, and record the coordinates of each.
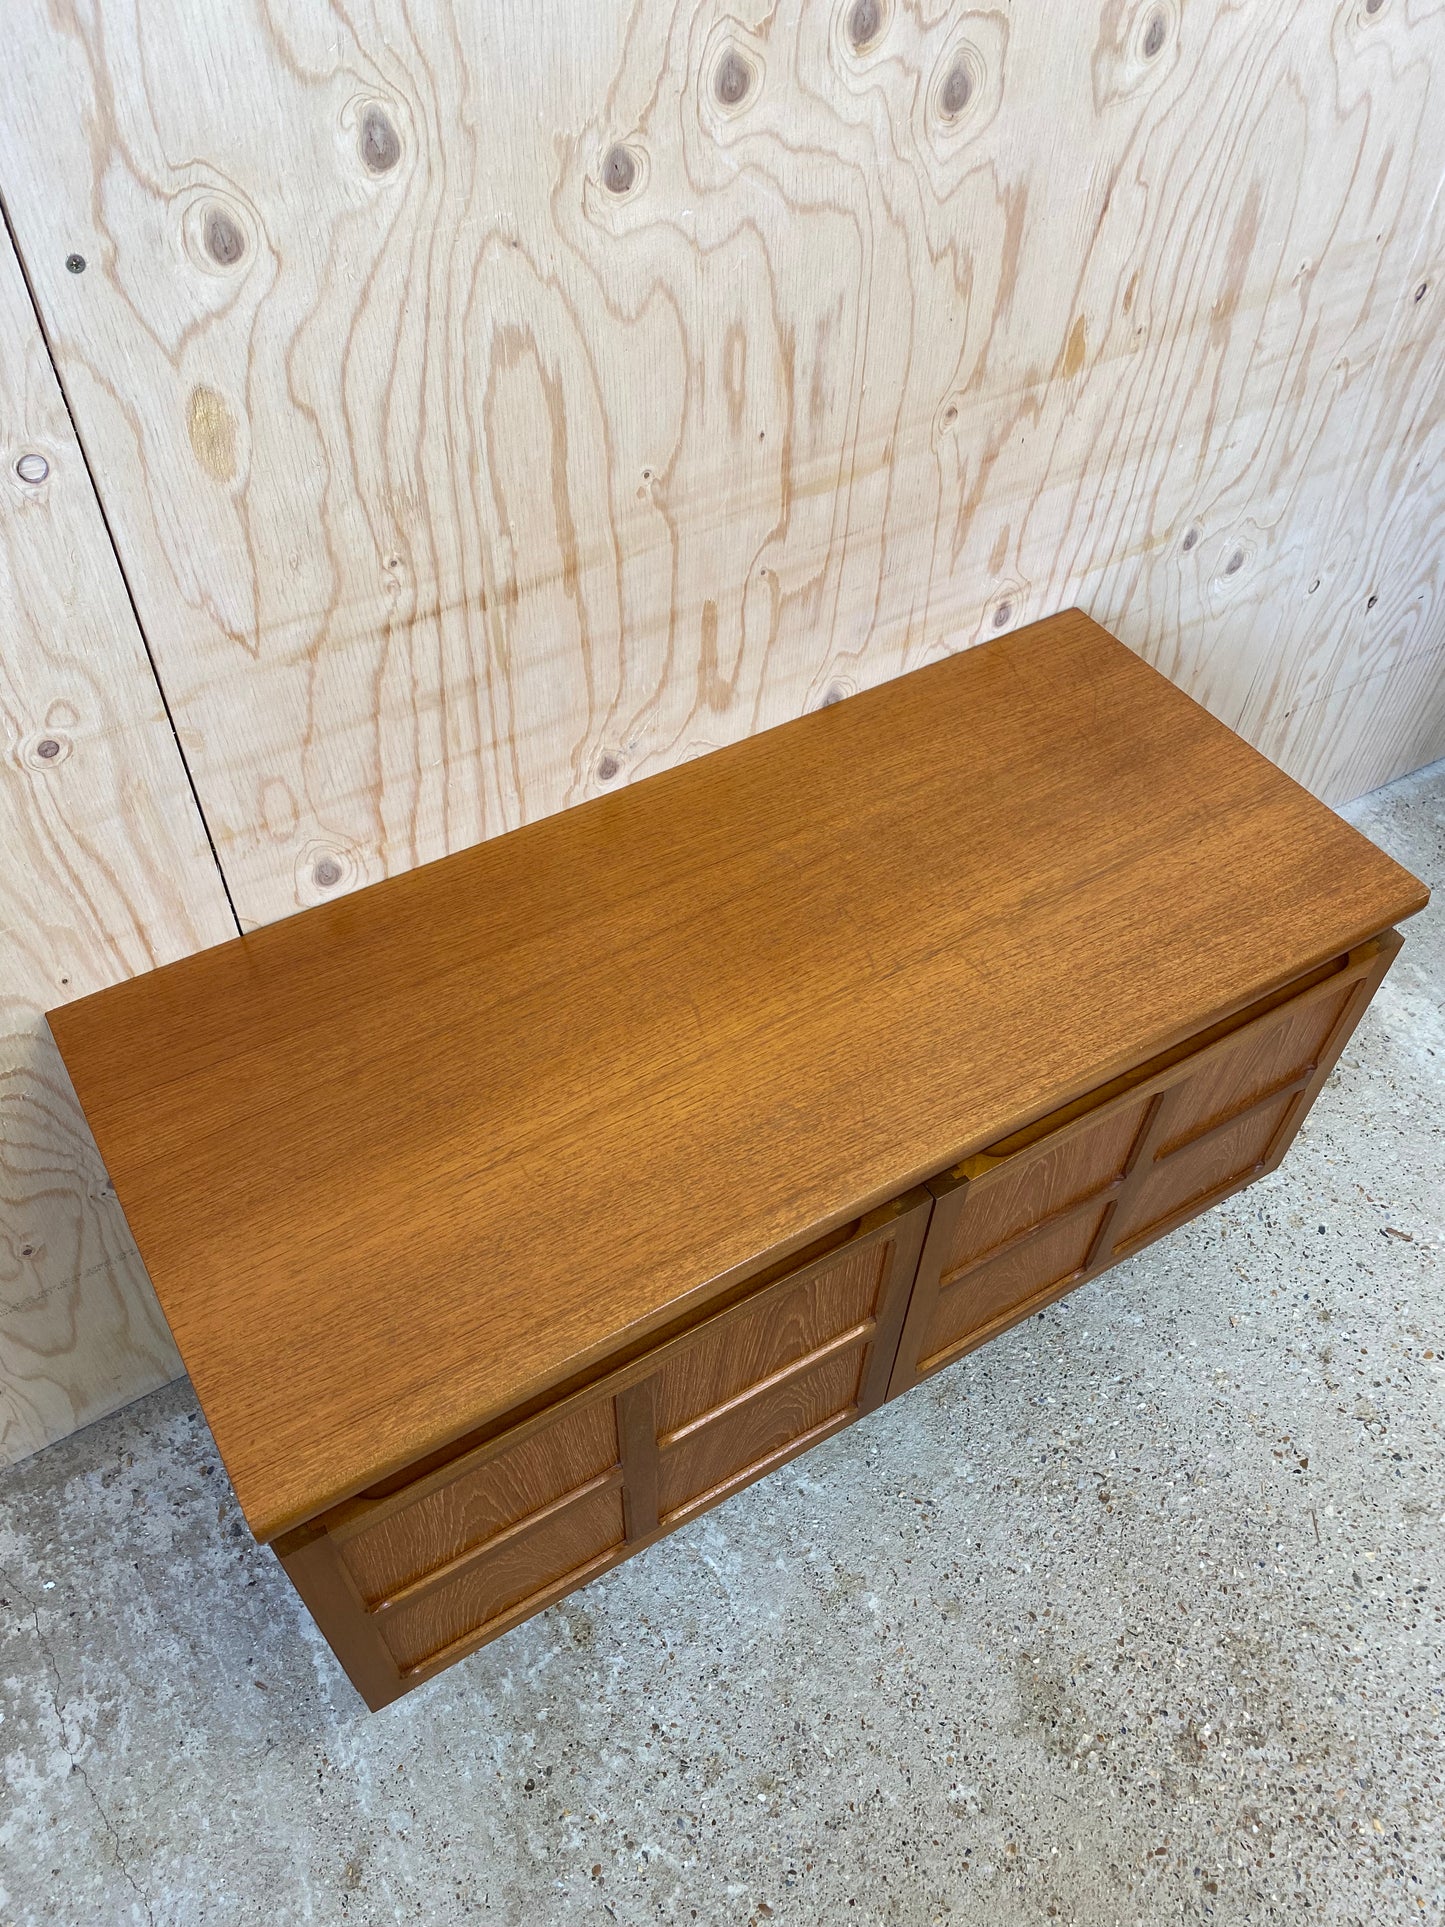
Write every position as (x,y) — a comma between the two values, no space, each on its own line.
(637,1438)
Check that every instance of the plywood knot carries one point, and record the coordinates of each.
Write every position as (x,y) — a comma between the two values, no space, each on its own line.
(733,78)
(224,240)
(48,751)
(865,24)
(619,170)
(956,91)
(380,143)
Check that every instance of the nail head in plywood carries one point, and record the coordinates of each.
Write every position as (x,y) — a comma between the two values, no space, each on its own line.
(903,216)
(106,873)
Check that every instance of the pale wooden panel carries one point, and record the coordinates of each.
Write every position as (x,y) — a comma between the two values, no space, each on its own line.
(105,872)
(496,402)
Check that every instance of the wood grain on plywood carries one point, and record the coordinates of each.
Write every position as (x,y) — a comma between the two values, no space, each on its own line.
(105,871)
(469,1133)
(498,403)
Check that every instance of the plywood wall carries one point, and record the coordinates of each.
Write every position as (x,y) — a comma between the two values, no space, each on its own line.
(494,403)
(104,871)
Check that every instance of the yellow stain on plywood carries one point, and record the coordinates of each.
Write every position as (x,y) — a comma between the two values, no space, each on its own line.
(543,394)
(213,434)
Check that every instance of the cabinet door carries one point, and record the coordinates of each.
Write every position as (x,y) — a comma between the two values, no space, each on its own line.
(1042,1211)
(402,1584)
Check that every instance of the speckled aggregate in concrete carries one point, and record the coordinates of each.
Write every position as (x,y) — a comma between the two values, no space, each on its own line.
(1134,1617)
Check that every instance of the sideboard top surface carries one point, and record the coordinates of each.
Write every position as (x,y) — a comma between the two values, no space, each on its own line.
(405,1160)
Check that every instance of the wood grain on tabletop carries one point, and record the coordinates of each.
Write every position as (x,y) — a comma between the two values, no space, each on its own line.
(404,1159)
(104,871)
(494,404)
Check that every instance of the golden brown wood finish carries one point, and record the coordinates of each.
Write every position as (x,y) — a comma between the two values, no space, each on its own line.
(1017,1226)
(568,1544)
(437,1529)
(405,1584)
(719,1013)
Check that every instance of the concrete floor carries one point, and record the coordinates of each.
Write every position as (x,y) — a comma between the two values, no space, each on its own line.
(1135,1617)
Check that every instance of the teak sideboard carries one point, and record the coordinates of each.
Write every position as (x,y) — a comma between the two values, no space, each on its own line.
(513,1211)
